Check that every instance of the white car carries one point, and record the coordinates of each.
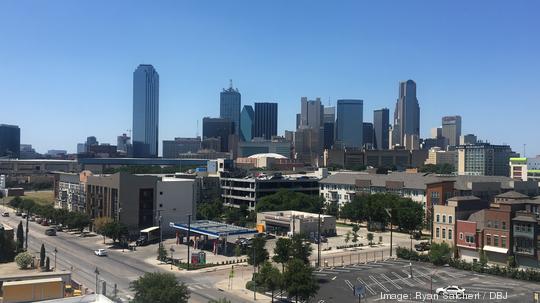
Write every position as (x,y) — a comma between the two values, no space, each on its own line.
(451,290)
(101,252)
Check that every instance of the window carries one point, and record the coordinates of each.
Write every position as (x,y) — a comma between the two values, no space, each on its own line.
(450,219)
(444,233)
(488,239)
(443,218)
(449,234)
(437,232)
(438,218)
(517,227)
(496,241)
(503,242)
(461,236)
(469,239)
(503,224)
(488,223)
(495,224)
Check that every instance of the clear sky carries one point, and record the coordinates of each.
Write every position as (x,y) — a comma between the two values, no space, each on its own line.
(67,66)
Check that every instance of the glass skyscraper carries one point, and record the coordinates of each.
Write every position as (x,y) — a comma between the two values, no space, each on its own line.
(407,113)
(246,123)
(350,123)
(145,111)
(229,106)
(10,141)
(265,123)
(381,124)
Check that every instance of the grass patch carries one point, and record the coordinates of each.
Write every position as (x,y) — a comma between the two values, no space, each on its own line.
(45,197)
(196,266)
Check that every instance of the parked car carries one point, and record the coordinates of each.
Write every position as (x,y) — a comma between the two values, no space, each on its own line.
(18,213)
(24,215)
(5,214)
(100,252)
(422,246)
(44,222)
(59,227)
(50,231)
(32,218)
(39,220)
(451,290)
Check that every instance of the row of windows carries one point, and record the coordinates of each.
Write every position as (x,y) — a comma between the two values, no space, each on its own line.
(438,218)
(437,233)
(406,192)
(496,240)
(523,227)
(496,224)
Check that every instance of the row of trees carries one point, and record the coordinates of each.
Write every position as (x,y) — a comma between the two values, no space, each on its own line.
(215,210)
(107,227)
(74,220)
(289,200)
(406,214)
(295,276)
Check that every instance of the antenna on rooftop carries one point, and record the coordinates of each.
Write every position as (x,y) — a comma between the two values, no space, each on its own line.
(230,84)
(329,101)
(524,146)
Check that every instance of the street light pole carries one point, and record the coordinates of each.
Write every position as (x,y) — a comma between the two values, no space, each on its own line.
(97,280)
(254,280)
(55,251)
(389,212)
(26,239)
(188,233)
(319,241)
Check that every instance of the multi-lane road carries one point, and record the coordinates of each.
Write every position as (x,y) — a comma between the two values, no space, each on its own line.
(76,254)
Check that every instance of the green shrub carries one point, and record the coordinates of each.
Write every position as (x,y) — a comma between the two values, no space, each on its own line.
(23,260)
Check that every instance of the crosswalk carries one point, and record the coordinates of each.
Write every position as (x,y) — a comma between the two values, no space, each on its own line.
(395,277)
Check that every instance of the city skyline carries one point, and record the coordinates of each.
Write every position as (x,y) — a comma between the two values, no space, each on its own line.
(190,91)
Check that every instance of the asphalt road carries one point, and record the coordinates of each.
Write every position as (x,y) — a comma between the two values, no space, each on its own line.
(389,281)
(77,255)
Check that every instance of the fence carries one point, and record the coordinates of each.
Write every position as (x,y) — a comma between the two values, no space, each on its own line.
(356,257)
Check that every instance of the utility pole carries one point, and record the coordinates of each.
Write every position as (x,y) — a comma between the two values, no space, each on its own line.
(319,241)
(189,232)
(55,252)
(389,212)
(254,280)
(97,280)
(26,239)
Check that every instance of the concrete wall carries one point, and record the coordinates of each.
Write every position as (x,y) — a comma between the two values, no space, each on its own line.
(176,199)
(30,292)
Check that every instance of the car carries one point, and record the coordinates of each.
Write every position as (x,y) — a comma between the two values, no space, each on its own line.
(44,222)
(451,290)
(24,215)
(5,214)
(39,220)
(32,218)
(50,232)
(422,246)
(100,252)
(18,213)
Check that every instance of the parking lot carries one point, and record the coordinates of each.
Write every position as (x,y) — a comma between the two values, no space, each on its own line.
(390,281)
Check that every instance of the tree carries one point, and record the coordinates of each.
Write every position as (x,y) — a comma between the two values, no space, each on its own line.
(159,287)
(300,248)
(270,278)
(162,253)
(289,200)
(47,264)
(299,280)
(409,215)
(258,253)
(7,247)
(23,260)
(439,253)
(332,209)
(483,259)
(511,262)
(20,237)
(347,237)
(115,230)
(42,256)
(370,238)
(282,251)
(210,210)
(100,225)
(78,221)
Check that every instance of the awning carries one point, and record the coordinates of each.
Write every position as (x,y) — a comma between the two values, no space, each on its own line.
(496,249)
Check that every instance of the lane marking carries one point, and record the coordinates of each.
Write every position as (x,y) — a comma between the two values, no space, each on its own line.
(391,282)
(402,279)
(349,284)
(367,286)
(379,283)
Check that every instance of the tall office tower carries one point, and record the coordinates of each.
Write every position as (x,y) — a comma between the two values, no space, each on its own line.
(247,117)
(310,131)
(219,128)
(81,148)
(173,148)
(123,144)
(92,140)
(436,132)
(467,139)
(407,112)
(350,123)
(265,124)
(329,126)
(10,141)
(298,118)
(145,111)
(230,105)
(381,124)
(451,129)
(368,135)
(312,113)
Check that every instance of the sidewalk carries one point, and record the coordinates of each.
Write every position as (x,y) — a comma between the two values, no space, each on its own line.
(237,284)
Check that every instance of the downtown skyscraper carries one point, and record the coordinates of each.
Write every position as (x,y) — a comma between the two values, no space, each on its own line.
(145,111)
(451,129)
(230,105)
(381,125)
(350,123)
(406,114)
(265,122)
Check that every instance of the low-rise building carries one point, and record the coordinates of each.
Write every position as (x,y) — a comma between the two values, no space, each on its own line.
(436,156)
(484,159)
(139,200)
(70,190)
(248,190)
(525,168)
(296,222)
(469,236)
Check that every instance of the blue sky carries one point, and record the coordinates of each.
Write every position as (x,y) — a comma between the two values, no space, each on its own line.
(67,65)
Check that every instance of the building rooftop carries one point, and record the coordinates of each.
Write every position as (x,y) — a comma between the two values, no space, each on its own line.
(464,198)
(291,213)
(81,299)
(524,218)
(477,217)
(512,195)
(267,155)
(213,228)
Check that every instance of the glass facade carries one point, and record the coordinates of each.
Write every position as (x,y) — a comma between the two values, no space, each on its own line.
(349,123)
(10,141)
(145,111)
(265,122)
(380,128)
(229,106)
(246,123)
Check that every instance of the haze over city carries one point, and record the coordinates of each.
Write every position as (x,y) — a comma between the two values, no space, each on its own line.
(68,67)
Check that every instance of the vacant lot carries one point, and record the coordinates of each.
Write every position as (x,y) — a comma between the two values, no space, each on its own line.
(42,197)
